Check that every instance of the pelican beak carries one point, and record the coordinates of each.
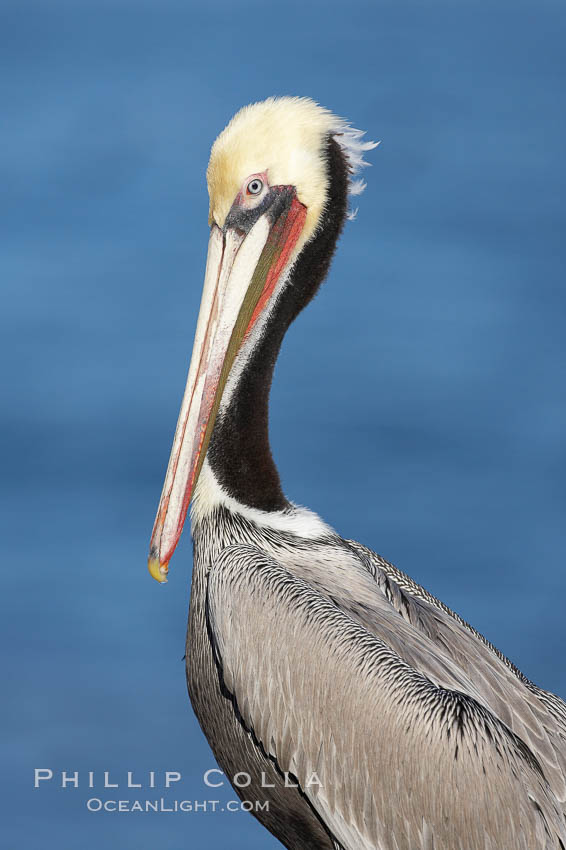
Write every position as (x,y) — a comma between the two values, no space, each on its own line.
(245,261)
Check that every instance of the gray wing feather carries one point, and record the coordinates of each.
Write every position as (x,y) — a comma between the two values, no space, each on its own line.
(536,715)
(404,763)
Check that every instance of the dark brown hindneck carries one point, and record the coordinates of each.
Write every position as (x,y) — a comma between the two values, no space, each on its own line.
(239,451)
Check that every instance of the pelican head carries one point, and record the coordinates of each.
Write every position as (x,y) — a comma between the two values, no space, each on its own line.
(270,193)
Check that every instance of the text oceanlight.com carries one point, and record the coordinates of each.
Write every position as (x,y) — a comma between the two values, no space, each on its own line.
(95,804)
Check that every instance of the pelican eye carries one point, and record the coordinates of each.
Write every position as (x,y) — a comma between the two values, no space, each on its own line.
(255,186)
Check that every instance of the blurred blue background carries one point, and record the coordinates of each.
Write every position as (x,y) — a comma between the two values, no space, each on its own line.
(418,404)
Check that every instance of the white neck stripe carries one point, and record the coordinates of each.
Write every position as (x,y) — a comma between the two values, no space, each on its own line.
(209,494)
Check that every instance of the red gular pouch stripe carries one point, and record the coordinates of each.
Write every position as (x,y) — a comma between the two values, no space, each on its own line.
(281,240)
(285,235)
(164,504)
(220,332)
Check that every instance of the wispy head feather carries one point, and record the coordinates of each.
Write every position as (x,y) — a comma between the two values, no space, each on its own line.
(352,143)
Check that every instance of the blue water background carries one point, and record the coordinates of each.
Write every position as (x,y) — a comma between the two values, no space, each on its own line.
(418,404)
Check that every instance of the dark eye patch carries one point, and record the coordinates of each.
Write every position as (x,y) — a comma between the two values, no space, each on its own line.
(244,219)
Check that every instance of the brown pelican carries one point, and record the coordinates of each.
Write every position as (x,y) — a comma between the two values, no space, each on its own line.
(364,712)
